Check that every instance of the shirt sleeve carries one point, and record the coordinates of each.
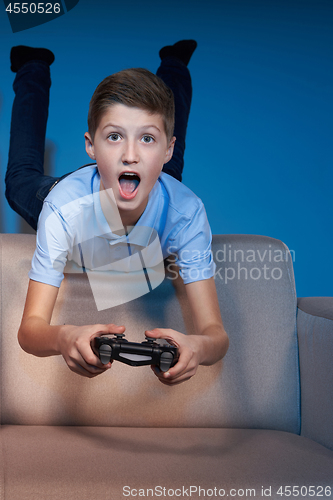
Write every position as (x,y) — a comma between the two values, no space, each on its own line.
(52,247)
(192,248)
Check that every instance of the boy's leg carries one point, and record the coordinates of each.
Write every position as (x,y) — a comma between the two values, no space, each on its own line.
(174,72)
(26,184)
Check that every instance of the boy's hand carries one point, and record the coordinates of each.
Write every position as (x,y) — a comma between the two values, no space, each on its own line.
(189,348)
(74,344)
(210,342)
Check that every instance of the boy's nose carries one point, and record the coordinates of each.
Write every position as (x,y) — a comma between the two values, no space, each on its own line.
(130,153)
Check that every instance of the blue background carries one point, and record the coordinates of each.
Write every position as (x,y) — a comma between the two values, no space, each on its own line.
(259,144)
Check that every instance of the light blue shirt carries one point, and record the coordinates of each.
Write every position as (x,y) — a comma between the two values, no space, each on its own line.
(74,236)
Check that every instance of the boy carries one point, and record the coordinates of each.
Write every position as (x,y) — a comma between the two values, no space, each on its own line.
(130,137)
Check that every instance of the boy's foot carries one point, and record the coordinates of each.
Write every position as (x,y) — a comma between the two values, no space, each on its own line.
(182,50)
(22,54)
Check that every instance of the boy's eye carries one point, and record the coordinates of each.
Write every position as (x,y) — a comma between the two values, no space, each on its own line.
(114,137)
(147,139)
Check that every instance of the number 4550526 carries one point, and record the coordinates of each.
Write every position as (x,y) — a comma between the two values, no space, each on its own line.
(304,491)
(33,8)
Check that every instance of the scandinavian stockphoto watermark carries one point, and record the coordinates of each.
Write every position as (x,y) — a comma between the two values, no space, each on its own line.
(234,263)
(252,263)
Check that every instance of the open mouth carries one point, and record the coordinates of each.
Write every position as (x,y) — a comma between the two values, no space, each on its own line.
(128,182)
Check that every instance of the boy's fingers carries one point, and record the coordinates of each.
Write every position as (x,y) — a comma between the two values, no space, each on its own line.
(110,328)
(159,333)
(180,367)
(172,381)
(179,370)
(179,340)
(86,371)
(89,359)
(172,336)
(89,364)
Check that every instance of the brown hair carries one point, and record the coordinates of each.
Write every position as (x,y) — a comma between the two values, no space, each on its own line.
(136,87)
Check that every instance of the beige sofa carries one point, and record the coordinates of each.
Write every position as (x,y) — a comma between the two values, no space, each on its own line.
(257,424)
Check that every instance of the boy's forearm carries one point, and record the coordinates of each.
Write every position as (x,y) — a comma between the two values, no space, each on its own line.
(214,344)
(39,338)
(212,341)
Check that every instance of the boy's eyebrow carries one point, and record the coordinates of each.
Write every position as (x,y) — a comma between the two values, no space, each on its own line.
(111,125)
(121,128)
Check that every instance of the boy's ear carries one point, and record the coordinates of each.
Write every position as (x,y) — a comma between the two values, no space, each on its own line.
(89,146)
(170,149)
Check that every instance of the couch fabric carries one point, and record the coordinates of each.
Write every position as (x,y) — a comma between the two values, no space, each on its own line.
(235,425)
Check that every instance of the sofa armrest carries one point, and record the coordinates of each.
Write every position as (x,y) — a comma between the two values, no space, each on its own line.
(315,337)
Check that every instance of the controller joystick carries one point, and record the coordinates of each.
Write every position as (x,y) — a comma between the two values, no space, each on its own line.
(149,352)
(119,335)
(149,340)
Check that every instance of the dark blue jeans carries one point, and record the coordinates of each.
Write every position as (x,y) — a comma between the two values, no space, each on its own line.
(26,184)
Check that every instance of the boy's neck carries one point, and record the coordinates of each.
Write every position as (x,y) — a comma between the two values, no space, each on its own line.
(117,218)
(128,220)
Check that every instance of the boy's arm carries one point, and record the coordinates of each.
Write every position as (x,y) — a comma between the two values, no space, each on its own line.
(208,343)
(36,335)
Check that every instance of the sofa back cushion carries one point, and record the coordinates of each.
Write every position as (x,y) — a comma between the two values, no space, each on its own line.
(255,386)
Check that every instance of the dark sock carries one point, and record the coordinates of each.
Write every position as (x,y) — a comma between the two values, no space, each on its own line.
(22,54)
(182,50)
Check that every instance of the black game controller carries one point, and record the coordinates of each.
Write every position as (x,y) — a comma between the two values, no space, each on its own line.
(148,352)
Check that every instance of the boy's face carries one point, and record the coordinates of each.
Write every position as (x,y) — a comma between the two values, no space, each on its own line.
(130,148)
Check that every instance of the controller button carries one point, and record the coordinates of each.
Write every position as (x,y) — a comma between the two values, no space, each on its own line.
(150,340)
(165,361)
(119,335)
(105,351)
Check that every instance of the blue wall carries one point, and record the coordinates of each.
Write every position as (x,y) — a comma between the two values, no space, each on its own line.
(259,148)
